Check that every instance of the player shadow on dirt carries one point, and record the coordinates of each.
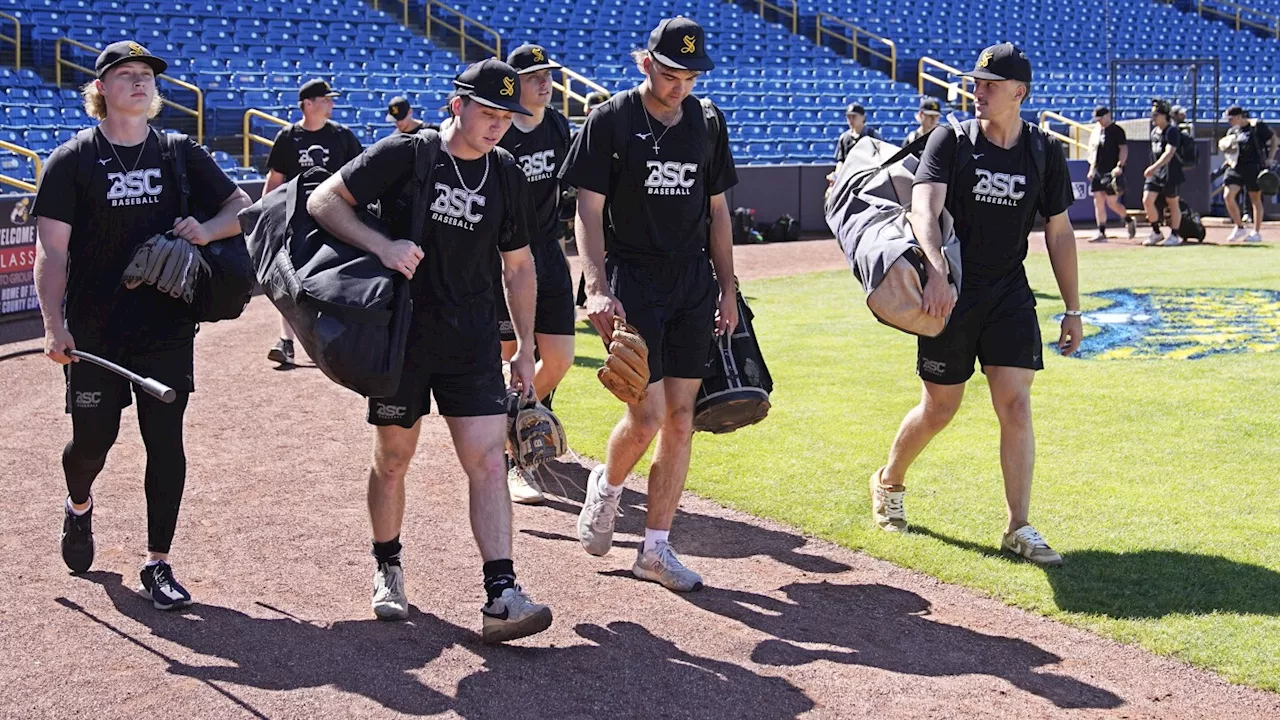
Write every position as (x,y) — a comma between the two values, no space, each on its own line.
(623,668)
(696,535)
(1150,583)
(889,628)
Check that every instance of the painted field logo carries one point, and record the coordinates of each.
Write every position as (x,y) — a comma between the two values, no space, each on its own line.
(1182,324)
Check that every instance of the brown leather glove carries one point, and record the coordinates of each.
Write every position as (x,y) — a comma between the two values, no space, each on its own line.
(626,370)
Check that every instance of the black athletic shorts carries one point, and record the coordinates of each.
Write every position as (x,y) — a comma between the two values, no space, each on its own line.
(90,387)
(1101,183)
(1164,190)
(994,323)
(554,313)
(673,305)
(1243,177)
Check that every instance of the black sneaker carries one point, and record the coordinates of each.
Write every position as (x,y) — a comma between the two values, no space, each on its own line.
(77,540)
(282,353)
(162,589)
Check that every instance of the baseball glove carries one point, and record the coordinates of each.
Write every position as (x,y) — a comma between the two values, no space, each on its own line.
(626,370)
(534,434)
(171,264)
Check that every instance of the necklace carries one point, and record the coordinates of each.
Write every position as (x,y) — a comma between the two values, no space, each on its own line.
(665,128)
(457,171)
(142,150)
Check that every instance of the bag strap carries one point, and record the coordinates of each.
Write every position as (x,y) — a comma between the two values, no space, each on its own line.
(426,148)
(173,150)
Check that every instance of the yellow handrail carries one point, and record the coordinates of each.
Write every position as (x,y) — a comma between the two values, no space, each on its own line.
(793,13)
(891,58)
(249,136)
(1237,12)
(951,86)
(21,185)
(1081,148)
(197,111)
(461,30)
(16,40)
(565,86)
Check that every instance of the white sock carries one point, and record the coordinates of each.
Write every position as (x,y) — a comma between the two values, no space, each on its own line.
(653,537)
(606,488)
(79,513)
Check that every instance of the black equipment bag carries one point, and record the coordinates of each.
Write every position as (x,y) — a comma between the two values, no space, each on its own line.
(736,386)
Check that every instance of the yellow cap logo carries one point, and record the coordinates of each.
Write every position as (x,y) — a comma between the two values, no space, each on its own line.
(689,48)
(508,87)
(135,50)
(537,55)
(985,58)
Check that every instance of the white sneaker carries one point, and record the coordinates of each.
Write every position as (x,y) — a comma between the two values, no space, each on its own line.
(599,513)
(389,601)
(1101,237)
(1173,240)
(523,491)
(887,509)
(513,615)
(661,565)
(1237,234)
(1253,237)
(1155,238)
(1028,544)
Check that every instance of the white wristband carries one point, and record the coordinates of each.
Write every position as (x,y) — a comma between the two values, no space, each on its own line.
(1072,313)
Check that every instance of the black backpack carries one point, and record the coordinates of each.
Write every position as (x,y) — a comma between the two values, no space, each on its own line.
(1188,153)
(784,229)
(744,223)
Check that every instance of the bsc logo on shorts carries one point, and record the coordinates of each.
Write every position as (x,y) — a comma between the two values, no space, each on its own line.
(135,188)
(456,207)
(539,166)
(670,178)
(932,367)
(391,412)
(88,400)
(999,188)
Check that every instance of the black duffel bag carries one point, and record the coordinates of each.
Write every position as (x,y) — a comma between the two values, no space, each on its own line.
(736,384)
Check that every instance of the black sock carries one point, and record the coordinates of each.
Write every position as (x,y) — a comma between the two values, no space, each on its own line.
(498,576)
(1102,227)
(546,401)
(1155,226)
(387,553)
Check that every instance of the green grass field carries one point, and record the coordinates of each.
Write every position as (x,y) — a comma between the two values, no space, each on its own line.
(1158,480)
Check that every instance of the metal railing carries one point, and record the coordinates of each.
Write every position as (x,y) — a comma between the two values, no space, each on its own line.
(1079,149)
(250,137)
(15,40)
(793,12)
(197,112)
(15,182)
(461,30)
(567,93)
(855,46)
(952,87)
(1240,15)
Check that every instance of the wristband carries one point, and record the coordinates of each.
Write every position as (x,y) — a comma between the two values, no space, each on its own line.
(1072,313)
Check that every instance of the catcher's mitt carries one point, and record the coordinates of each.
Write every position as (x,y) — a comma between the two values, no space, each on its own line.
(626,370)
(171,264)
(534,434)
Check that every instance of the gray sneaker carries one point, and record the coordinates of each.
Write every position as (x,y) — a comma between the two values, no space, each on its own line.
(1030,545)
(661,565)
(513,615)
(599,512)
(389,601)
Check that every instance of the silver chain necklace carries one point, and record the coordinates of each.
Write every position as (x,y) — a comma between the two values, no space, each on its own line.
(137,162)
(457,171)
(657,139)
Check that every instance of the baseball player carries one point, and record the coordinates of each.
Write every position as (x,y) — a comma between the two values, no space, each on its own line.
(994,196)
(454,355)
(1108,154)
(539,143)
(929,114)
(317,141)
(1254,145)
(102,195)
(1164,175)
(400,112)
(649,157)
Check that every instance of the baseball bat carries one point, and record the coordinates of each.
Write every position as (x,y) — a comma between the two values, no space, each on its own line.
(151,386)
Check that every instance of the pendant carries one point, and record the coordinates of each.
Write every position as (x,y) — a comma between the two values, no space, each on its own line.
(655,148)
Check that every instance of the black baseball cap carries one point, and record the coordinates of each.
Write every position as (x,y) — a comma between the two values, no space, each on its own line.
(119,53)
(1161,106)
(531,58)
(680,43)
(492,83)
(1235,110)
(1101,110)
(398,109)
(930,106)
(855,108)
(313,89)
(1002,62)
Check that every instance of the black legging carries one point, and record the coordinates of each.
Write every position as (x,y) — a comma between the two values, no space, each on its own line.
(161,426)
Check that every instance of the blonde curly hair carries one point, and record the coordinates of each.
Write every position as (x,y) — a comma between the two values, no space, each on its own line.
(95,105)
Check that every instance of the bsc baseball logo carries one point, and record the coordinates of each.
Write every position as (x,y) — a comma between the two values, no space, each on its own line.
(670,178)
(508,87)
(391,412)
(537,164)
(88,400)
(689,48)
(314,156)
(537,55)
(453,206)
(132,186)
(999,188)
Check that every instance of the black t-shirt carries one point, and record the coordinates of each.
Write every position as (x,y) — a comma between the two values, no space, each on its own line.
(539,153)
(453,287)
(995,199)
(418,125)
(1107,151)
(119,209)
(915,135)
(298,150)
(1170,174)
(660,208)
(847,140)
(1251,141)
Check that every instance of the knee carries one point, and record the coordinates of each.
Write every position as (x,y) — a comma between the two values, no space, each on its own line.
(390,465)
(936,414)
(1014,410)
(643,426)
(679,421)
